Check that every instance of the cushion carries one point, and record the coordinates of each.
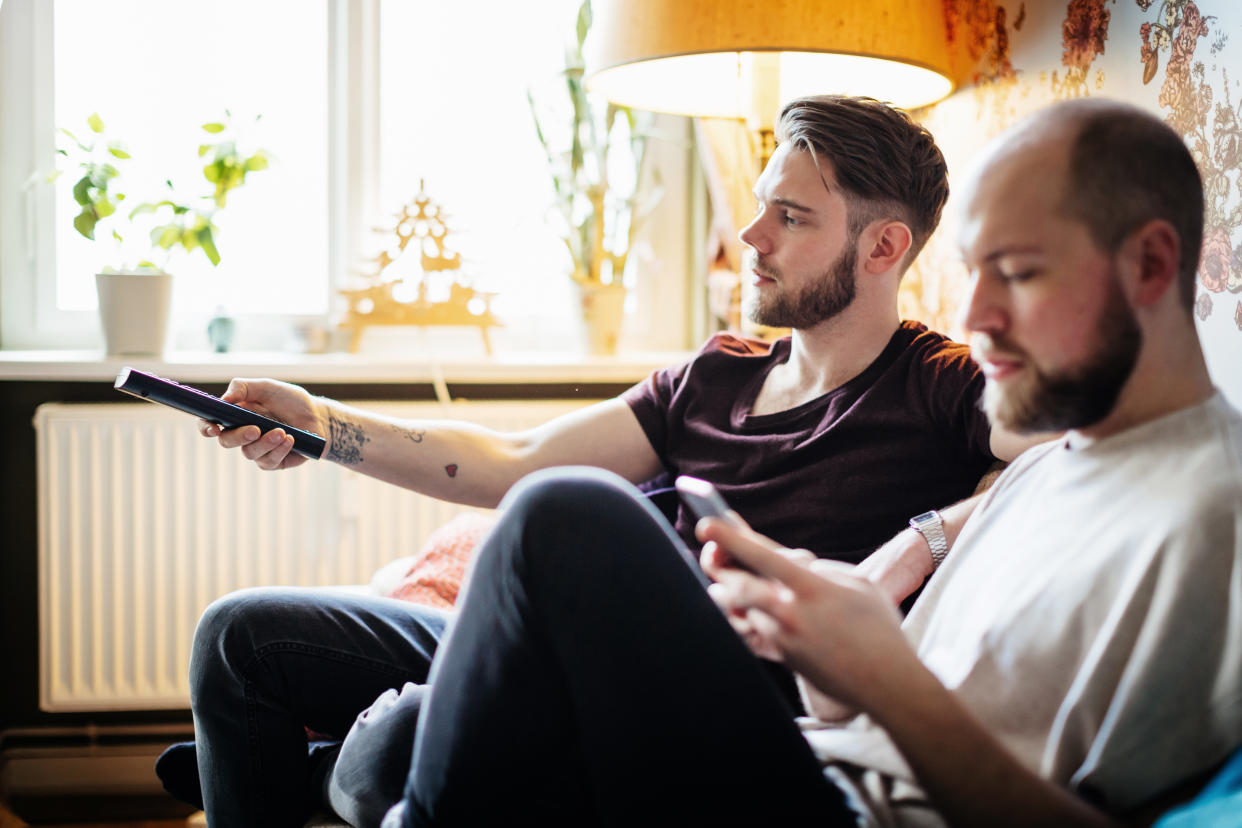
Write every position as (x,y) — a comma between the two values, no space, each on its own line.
(433,576)
(1218,805)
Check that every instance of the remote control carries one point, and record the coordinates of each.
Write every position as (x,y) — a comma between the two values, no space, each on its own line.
(210,408)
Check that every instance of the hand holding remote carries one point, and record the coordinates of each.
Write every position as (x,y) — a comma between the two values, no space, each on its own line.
(215,410)
(281,401)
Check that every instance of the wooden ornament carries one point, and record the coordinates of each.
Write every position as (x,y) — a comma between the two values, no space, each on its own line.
(387,300)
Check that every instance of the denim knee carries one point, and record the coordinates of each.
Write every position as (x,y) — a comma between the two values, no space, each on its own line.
(557,486)
(578,498)
(225,637)
(574,513)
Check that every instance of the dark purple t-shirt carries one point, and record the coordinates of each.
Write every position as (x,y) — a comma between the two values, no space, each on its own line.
(838,475)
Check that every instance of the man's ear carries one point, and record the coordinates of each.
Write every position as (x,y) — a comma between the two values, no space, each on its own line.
(883,245)
(1156,249)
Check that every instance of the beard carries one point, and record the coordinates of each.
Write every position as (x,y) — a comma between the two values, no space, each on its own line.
(821,299)
(1075,397)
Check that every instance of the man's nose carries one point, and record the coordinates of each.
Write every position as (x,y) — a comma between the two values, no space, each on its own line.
(984,310)
(752,236)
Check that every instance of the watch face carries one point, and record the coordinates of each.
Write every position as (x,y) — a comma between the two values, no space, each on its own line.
(930,526)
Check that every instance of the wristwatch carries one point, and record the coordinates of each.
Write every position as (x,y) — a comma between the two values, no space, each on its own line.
(931,526)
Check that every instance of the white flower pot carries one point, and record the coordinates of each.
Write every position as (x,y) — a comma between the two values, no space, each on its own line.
(602,312)
(134,310)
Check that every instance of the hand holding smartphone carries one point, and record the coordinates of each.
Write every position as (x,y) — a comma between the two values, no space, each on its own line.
(705,501)
(701,497)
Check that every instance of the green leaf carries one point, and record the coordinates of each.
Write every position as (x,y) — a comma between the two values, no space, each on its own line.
(149,207)
(213,128)
(84,222)
(212,172)
(203,149)
(165,237)
(118,151)
(104,208)
(256,162)
(81,194)
(207,240)
(630,118)
(584,22)
(117,236)
(95,122)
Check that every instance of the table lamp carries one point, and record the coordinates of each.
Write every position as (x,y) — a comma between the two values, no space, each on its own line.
(742,59)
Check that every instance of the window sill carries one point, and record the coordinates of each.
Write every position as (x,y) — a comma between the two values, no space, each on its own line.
(202,366)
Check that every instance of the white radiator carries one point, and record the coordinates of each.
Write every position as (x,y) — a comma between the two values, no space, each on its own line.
(142,523)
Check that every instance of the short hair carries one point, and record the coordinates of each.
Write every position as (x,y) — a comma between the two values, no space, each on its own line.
(887,165)
(1127,167)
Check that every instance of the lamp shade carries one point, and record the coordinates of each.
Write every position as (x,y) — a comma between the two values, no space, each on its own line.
(713,58)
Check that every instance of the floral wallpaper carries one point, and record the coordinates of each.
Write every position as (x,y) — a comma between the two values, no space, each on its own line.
(1181,59)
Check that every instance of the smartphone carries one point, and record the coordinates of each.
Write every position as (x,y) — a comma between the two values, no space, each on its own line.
(701,497)
(705,501)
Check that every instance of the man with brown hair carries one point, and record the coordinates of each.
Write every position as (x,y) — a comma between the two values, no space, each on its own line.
(1076,660)
(1083,637)
(830,439)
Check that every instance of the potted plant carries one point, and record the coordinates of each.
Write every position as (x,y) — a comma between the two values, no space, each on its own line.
(135,296)
(597,157)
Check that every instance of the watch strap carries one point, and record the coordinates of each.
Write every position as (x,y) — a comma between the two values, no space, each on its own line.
(931,526)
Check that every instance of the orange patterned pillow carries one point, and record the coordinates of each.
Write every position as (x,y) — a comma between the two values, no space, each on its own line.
(434,576)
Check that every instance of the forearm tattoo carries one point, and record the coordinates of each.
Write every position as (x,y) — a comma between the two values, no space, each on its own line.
(415,435)
(411,434)
(346,440)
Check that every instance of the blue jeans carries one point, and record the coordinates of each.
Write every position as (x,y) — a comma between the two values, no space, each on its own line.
(268,663)
(588,679)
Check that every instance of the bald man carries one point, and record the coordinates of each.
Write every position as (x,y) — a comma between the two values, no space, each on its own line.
(1075,660)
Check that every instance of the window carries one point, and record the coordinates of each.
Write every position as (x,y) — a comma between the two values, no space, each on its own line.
(155,72)
(360,101)
(454,112)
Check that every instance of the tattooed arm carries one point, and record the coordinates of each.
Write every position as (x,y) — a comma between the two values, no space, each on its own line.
(447,459)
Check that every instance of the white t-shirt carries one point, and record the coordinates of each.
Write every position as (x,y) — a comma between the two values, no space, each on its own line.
(1090,615)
